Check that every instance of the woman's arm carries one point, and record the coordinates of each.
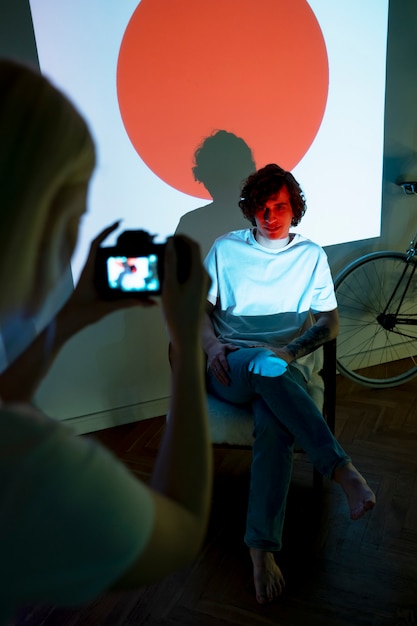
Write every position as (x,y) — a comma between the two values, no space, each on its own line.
(182,477)
(84,307)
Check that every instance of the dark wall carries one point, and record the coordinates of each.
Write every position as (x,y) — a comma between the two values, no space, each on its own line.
(17,39)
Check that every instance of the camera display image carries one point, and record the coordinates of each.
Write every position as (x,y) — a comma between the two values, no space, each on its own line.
(135,266)
(133,274)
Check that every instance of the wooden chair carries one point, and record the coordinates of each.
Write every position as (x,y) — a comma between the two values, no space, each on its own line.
(232,425)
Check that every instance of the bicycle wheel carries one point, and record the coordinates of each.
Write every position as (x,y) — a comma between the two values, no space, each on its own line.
(377,343)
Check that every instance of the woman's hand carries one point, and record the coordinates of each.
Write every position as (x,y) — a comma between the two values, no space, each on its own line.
(184,302)
(85,306)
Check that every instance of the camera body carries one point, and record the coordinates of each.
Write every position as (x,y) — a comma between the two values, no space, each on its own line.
(134,267)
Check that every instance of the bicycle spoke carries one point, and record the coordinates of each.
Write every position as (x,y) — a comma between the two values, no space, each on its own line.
(373,347)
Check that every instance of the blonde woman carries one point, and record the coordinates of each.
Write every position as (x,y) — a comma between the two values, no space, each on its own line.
(73,521)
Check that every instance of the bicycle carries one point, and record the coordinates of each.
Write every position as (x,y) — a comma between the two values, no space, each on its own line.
(377,302)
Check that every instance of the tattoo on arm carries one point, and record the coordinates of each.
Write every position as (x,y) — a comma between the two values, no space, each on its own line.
(313,338)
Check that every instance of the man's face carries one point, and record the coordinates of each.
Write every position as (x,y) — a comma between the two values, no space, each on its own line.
(273,220)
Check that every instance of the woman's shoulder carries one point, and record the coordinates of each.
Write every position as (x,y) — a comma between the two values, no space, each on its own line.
(24,413)
(23,428)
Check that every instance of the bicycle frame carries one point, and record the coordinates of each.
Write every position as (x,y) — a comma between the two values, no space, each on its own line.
(390,320)
(411,250)
(377,301)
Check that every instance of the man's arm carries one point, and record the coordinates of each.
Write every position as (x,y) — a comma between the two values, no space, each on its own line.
(209,338)
(325,328)
(215,350)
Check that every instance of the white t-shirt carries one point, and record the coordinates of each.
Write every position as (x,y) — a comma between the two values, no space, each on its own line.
(72,517)
(264,295)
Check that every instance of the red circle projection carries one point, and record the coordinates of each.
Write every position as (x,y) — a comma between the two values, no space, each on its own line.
(255,68)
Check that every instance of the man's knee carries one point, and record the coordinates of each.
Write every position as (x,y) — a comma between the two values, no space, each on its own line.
(267,364)
(268,427)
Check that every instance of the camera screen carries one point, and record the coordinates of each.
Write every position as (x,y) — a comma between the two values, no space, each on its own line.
(133,274)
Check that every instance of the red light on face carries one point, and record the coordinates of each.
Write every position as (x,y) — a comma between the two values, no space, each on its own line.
(273,220)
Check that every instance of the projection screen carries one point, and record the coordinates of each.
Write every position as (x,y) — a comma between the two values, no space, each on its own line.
(301,83)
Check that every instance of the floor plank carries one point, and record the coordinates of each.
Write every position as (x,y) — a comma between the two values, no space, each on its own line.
(338,572)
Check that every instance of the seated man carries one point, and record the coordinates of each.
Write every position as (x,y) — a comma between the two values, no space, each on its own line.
(266,282)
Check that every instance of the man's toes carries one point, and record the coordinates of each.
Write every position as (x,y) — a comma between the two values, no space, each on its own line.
(356,514)
(369,504)
(361,509)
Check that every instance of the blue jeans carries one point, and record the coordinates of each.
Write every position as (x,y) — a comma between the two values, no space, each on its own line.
(283,413)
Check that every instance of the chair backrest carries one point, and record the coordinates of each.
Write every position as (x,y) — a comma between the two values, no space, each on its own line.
(329,380)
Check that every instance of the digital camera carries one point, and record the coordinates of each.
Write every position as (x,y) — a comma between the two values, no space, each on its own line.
(135,265)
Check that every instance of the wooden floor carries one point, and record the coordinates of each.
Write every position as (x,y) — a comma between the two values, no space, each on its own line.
(338,572)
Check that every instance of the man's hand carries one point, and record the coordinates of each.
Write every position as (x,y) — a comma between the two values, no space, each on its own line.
(282,353)
(217,361)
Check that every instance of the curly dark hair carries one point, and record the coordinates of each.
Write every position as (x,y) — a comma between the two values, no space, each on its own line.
(264,183)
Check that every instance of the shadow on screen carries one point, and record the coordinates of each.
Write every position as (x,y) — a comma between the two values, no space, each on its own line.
(222,162)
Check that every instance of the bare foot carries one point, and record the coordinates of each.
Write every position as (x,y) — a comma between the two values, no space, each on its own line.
(360,496)
(268,578)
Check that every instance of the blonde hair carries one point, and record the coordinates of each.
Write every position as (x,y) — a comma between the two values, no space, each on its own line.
(45,147)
